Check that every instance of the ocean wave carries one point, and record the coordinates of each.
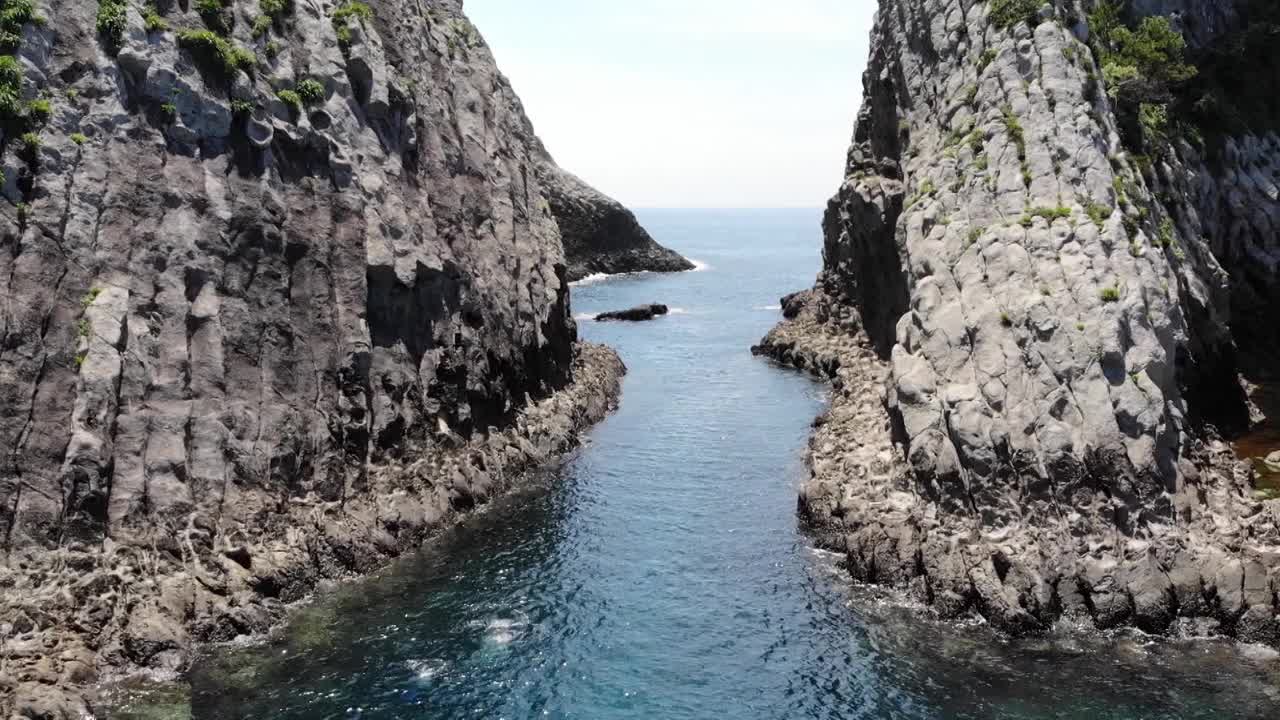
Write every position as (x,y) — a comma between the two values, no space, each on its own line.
(677,311)
(1255,651)
(596,278)
(426,670)
(769,308)
(590,280)
(584,316)
(503,631)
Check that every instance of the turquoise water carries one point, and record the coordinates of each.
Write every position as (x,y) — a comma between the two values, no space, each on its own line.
(660,573)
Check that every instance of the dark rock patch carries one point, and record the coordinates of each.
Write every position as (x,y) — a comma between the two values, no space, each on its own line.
(640,313)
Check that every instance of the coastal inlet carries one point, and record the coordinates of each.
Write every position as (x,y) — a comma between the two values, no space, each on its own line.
(661,572)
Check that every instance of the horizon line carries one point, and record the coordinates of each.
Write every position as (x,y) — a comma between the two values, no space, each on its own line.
(726,207)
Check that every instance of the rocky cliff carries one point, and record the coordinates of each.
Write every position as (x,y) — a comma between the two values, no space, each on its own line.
(282,291)
(600,235)
(1044,274)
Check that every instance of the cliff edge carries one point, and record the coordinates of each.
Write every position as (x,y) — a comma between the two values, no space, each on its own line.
(283,292)
(1052,259)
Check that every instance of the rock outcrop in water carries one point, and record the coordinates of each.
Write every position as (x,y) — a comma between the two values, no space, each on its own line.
(283,292)
(639,313)
(1037,299)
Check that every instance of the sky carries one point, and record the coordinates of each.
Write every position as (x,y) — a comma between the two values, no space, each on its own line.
(689,103)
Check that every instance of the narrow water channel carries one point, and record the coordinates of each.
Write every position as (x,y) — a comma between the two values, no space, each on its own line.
(660,573)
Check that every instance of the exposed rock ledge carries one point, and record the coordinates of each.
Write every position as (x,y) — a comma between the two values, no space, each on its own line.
(1068,552)
(77,611)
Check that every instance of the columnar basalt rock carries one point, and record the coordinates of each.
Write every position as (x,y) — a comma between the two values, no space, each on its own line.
(1059,324)
(282,293)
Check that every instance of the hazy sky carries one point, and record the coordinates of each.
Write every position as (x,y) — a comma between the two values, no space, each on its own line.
(689,103)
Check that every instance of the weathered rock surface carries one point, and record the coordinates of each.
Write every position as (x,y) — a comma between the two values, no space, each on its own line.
(600,235)
(250,344)
(635,314)
(1054,326)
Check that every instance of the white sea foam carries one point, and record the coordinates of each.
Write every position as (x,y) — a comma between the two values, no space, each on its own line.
(677,311)
(584,316)
(768,308)
(1254,651)
(823,554)
(503,631)
(590,280)
(698,266)
(428,669)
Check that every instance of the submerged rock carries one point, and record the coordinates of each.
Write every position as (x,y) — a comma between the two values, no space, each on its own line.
(1034,332)
(635,314)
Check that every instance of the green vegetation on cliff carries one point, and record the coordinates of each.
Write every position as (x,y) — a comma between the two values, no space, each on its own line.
(1163,89)
(13,15)
(111,21)
(17,116)
(1007,13)
(1239,77)
(1142,65)
(216,54)
(1143,68)
(344,14)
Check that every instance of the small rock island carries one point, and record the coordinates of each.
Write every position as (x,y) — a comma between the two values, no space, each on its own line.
(639,313)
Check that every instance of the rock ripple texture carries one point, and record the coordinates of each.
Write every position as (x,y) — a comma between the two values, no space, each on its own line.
(277,302)
(1023,426)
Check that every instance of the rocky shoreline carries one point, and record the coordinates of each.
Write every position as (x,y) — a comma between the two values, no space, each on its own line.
(1208,569)
(148,600)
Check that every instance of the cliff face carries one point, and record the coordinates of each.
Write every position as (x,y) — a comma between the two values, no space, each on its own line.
(282,290)
(1056,315)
